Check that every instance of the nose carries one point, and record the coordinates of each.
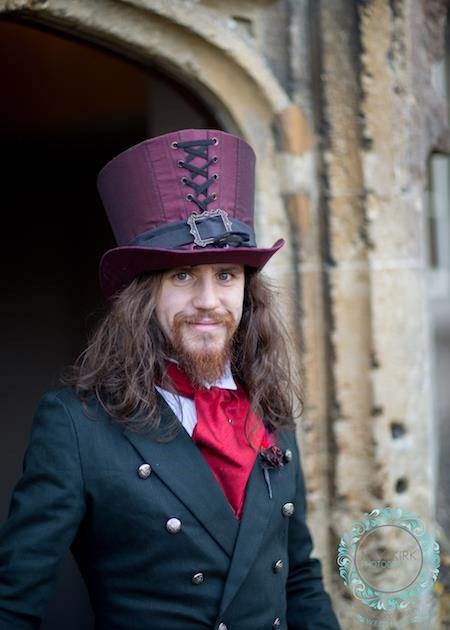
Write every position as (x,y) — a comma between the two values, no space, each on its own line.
(206,295)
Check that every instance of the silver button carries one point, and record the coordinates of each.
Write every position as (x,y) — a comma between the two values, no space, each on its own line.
(173,525)
(144,471)
(198,578)
(288,509)
(276,623)
(278,566)
(222,626)
(288,455)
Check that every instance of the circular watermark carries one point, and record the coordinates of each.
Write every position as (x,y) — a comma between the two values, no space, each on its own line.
(388,560)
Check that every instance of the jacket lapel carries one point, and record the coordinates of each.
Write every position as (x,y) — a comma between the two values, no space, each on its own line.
(255,518)
(180,465)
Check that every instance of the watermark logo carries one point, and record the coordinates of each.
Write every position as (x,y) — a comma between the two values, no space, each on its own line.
(388,560)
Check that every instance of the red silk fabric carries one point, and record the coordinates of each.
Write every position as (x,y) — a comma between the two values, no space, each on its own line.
(223,443)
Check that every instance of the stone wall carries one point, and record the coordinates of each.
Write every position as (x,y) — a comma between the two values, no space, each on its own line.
(381,116)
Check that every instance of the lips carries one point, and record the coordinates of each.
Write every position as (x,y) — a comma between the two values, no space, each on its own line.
(206,325)
(205,322)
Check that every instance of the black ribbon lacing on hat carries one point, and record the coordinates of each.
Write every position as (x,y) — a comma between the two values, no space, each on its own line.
(200,196)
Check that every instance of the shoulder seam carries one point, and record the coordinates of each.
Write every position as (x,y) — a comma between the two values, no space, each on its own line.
(67,410)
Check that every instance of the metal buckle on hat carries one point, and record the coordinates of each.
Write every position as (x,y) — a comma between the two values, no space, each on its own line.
(198,217)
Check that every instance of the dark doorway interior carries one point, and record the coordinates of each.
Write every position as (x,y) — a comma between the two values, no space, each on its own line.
(67,107)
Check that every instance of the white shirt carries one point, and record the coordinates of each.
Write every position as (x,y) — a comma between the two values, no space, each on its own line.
(184,408)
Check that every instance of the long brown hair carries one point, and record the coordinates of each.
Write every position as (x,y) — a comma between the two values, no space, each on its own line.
(126,358)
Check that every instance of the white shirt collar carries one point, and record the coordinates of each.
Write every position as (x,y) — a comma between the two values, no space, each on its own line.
(225,382)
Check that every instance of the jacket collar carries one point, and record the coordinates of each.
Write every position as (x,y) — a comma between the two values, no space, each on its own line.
(258,508)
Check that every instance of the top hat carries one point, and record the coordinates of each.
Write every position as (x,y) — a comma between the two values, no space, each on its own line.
(183,198)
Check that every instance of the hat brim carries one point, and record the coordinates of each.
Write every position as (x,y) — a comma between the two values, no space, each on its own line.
(119,266)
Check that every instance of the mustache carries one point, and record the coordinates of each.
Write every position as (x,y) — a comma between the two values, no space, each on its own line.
(225,318)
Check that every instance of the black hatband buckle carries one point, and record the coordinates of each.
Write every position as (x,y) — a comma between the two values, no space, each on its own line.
(198,217)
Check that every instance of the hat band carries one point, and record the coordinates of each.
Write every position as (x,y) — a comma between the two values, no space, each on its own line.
(207,231)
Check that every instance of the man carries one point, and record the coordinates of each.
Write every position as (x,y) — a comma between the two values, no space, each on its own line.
(170,466)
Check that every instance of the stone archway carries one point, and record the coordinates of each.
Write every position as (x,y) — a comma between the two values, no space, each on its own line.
(185,45)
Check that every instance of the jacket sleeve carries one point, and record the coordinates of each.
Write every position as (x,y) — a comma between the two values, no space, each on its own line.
(46,509)
(308,605)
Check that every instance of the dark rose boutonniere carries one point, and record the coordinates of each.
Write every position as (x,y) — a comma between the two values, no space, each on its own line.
(271,457)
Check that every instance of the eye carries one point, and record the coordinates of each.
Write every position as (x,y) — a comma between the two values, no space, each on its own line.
(224,275)
(181,275)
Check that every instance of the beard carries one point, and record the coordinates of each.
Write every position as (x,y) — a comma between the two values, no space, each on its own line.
(203,356)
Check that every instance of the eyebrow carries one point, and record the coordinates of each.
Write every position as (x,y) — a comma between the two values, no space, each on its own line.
(220,267)
(235,268)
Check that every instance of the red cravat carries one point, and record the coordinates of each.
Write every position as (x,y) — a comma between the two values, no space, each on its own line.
(220,434)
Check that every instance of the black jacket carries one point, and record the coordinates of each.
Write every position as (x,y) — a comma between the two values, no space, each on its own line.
(82,488)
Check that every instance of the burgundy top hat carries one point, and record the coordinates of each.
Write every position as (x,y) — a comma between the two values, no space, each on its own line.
(184,198)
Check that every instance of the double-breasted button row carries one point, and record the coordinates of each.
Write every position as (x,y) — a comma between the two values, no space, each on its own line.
(144,471)
(288,509)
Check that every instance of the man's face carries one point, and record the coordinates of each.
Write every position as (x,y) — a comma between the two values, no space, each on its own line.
(199,309)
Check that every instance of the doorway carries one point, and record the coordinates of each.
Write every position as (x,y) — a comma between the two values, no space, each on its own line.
(67,108)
